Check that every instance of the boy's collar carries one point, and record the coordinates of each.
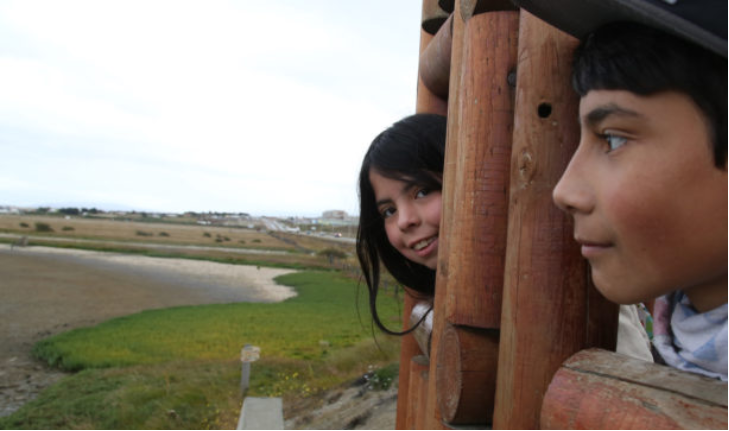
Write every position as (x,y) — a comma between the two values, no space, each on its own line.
(700,21)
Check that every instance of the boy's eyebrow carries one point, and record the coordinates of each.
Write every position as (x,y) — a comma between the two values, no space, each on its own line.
(601,112)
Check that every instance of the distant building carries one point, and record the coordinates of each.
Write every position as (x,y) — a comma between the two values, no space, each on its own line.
(334,215)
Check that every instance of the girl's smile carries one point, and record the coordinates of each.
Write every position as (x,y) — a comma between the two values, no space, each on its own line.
(411,215)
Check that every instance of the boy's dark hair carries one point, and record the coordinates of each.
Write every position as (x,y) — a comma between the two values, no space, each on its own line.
(645,61)
(411,150)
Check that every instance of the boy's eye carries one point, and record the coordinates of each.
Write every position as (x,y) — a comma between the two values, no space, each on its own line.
(614,142)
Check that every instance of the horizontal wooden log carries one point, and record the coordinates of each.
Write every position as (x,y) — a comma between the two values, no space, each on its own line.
(466,374)
(597,389)
(435,61)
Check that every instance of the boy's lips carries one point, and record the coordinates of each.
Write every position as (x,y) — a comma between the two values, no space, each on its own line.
(592,248)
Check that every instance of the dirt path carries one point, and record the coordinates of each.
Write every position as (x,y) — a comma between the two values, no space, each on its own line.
(44,291)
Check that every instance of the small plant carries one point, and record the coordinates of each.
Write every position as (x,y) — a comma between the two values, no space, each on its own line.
(43,227)
(67,228)
(143,233)
(242,241)
(206,234)
(24,224)
(257,241)
(382,378)
(163,234)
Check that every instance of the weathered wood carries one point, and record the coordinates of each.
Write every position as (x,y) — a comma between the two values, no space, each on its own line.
(449,243)
(546,295)
(479,219)
(433,16)
(431,411)
(435,61)
(416,395)
(427,101)
(467,374)
(597,389)
(408,349)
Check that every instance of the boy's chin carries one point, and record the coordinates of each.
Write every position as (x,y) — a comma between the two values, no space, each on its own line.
(623,294)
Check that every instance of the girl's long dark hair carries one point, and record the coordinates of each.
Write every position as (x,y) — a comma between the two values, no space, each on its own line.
(411,150)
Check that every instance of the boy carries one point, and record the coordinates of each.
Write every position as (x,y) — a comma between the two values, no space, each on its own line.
(647,185)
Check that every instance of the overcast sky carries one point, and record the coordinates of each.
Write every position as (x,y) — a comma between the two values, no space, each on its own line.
(265,107)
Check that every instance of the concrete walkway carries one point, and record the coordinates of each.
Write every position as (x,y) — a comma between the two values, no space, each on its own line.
(261,414)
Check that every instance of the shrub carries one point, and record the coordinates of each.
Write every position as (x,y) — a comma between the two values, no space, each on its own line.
(163,234)
(24,224)
(143,233)
(206,234)
(43,227)
(67,228)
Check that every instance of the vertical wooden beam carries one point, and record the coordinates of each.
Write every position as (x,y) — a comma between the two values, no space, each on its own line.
(546,294)
(426,102)
(479,218)
(408,349)
(431,410)
(471,249)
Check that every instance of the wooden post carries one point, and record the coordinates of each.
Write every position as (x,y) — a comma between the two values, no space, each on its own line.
(473,226)
(427,102)
(596,389)
(546,294)
(435,61)
(408,349)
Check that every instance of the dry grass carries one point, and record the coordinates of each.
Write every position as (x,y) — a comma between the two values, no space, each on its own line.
(128,231)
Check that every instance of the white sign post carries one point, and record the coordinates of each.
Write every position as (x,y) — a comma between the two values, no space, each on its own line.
(247,355)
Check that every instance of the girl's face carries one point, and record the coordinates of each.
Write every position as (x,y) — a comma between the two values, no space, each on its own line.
(412,218)
(650,207)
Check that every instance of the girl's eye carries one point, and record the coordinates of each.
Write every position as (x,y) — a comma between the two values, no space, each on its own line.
(387,212)
(613,141)
(422,193)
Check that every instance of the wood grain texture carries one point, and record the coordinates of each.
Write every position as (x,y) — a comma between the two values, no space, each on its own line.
(547,298)
(597,389)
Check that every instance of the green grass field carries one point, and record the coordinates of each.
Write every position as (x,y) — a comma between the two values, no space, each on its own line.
(179,368)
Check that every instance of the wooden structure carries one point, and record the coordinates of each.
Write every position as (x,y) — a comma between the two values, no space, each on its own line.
(513,299)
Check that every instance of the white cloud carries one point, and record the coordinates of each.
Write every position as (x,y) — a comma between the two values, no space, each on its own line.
(245,106)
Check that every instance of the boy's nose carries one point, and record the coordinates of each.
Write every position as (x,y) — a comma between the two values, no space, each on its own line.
(572,193)
(407,217)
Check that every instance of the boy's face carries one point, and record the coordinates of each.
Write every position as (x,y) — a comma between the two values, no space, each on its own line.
(649,205)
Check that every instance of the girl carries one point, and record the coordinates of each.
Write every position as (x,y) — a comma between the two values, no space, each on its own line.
(400,209)
(400,203)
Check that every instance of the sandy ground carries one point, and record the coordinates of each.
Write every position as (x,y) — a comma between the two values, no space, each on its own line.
(44,291)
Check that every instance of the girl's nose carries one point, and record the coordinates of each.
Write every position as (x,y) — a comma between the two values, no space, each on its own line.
(407,217)
(573,193)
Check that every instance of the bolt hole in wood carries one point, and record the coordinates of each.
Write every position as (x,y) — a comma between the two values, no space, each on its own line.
(544,110)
